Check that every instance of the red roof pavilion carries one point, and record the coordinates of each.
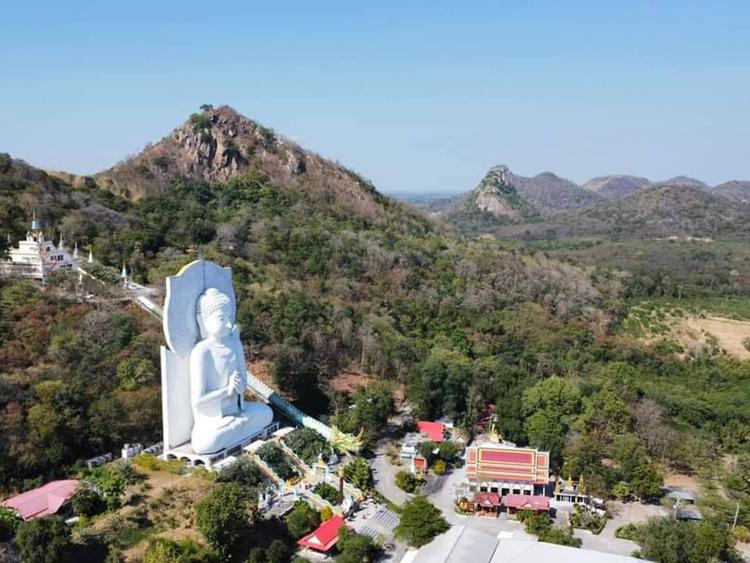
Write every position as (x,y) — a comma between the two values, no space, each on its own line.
(42,501)
(487,500)
(519,502)
(325,536)
(435,431)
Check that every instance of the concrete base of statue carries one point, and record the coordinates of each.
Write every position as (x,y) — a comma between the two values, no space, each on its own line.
(185,452)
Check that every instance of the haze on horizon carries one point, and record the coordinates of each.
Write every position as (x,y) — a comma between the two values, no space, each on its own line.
(422,97)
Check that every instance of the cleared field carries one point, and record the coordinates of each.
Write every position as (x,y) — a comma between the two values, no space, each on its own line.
(729,332)
(687,331)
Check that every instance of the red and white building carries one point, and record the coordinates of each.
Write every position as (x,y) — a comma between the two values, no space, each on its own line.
(506,469)
(325,536)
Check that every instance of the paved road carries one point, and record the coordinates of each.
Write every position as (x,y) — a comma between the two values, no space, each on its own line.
(384,474)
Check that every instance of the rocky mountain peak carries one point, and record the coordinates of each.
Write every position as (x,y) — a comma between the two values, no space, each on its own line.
(218,144)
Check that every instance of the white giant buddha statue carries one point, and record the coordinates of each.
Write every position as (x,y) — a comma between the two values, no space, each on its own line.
(218,379)
(204,375)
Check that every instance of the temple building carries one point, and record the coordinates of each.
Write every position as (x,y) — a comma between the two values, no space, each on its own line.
(500,467)
(36,256)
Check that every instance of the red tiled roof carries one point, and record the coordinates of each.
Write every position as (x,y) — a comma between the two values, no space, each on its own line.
(42,501)
(326,535)
(487,500)
(519,502)
(435,431)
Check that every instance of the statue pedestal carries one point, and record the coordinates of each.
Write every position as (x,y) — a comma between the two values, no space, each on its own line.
(185,451)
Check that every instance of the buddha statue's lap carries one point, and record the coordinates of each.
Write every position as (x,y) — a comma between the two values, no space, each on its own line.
(218,379)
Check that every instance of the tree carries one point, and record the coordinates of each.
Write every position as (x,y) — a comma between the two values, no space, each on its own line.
(163,550)
(646,482)
(359,473)
(670,541)
(439,467)
(355,548)
(560,536)
(88,502)
(224,517)
(43,540)
(448,451)
(244,472)
(9,522)
(408,482)
(278,552)
(302,520)
(426,448)
(420,522)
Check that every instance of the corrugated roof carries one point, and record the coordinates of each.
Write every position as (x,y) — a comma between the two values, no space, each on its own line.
(44,500)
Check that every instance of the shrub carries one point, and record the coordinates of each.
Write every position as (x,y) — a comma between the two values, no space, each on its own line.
(88,502)
(163,550)
(43,540)
(328,492)
(627,532)
(275,457)
(153,463)
(307,444)
(408,482)
(439,467)
(559,536)
(326,513)
(302,520)
(243,472)
(9,522)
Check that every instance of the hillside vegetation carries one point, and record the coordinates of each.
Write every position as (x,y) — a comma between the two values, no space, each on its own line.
(333,276)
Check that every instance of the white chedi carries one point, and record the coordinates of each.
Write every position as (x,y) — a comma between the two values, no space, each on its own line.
(218,380)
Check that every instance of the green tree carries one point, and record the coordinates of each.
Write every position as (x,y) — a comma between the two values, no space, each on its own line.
(88,502)
(43,540)
(646,482)
(9,522)
(302,520)
(665,540)
(355,548)
(448,451)
(420,522)
(560,536)
(408,482)
(359,473)
(224,517)
(278,552)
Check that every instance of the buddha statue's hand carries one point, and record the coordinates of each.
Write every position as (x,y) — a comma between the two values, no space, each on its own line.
(235,384)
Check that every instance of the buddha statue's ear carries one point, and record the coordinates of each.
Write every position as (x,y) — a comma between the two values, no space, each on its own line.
(201,327)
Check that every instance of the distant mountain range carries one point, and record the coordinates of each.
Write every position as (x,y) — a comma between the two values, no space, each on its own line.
(617,204)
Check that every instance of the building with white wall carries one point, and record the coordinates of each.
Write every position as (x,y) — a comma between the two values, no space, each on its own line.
(36,256)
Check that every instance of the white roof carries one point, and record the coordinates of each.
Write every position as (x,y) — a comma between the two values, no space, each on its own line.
(463,544)
(520,551)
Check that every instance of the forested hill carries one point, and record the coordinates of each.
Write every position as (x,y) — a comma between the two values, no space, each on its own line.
(659,211)
(321,289)
(216,145)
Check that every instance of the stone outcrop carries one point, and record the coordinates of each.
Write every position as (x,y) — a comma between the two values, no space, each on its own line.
(219,144)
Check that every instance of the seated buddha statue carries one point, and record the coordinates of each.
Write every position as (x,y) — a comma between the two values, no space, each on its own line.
(218,379)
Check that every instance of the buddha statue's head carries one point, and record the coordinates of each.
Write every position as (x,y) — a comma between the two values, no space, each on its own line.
(214,314)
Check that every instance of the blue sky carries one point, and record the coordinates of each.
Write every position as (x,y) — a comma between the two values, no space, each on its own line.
(416,96)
